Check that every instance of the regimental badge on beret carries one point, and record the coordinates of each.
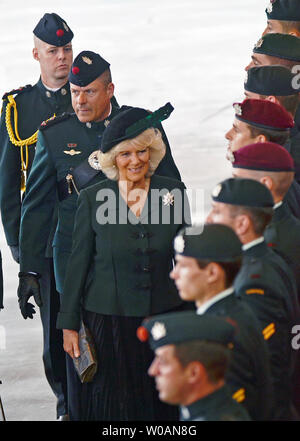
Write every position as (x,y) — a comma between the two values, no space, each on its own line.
(87,60)
(246,78)
(168,199)
(93,160)
(237,109)
(259,43)
(65,26)
(230,156)
(158,331)
(216,191)
(179,244)
(270,6)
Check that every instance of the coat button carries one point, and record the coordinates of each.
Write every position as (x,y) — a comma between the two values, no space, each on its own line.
(48,94)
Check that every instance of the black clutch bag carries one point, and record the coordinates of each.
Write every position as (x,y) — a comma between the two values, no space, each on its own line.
(86,365)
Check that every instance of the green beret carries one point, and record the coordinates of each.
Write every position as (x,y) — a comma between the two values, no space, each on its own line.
(130,122)
(270,80)
(283,10)
(180,327)
(279,45)
(247,192)
(213,242)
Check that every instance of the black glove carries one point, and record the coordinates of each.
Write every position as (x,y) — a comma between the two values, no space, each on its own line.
(28,286)
(15,253)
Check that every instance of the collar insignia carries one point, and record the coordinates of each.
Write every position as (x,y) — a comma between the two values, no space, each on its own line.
(106,122)
(72,152)
(158,331)
(71,145)
(87,60)
(179,244)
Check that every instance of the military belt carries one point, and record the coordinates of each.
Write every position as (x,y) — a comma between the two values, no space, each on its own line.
(76,180)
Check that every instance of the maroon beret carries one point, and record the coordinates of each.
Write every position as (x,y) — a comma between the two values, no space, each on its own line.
(266,156)
(264,114)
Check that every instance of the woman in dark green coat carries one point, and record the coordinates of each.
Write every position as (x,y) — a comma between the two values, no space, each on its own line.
(118,272)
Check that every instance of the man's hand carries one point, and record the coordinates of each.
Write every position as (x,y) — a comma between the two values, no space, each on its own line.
(71,343)
(15,253)
(28,286)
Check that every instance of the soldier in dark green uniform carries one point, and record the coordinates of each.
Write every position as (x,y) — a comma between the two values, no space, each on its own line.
(191,358)
(265,282)
(284,50)
(273,165)
(280,85)
(257,121)
(65,162)
(23,111)
(206,265)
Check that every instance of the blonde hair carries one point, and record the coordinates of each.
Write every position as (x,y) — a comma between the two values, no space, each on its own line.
(150,138)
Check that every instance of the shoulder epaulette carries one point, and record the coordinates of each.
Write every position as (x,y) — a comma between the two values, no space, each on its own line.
(17,91)
(54,120)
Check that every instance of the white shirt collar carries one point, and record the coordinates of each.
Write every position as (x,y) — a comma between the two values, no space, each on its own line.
(203,308)
(252,243)
(277,205)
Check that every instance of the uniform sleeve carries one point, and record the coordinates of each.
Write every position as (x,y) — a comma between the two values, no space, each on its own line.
(79,263)
(37,209)
(167,166)
(10,184)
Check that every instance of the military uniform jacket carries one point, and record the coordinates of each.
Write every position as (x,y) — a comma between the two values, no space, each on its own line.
(283,235)
(63,144)
(292,199)
(120,267)
(34,105)
(248,376)
(261,285)
(218,406)
(293,144)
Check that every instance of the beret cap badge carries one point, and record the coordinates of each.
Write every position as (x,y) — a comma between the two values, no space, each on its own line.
(259,43)
(87,60)
(179,244)
(158,331)
(65,26)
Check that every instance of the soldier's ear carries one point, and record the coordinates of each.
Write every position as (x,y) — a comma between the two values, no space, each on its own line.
(110,90)
(295,33)
(35,54)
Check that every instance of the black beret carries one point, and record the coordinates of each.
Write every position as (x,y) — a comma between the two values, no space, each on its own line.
(284,10)
(53,30)
(130,122)
(180,327)
(86,67)
(283,46)
(213,242)
(247,192)
(270,80)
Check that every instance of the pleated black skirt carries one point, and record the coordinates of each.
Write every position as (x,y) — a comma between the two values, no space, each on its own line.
(121,390)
